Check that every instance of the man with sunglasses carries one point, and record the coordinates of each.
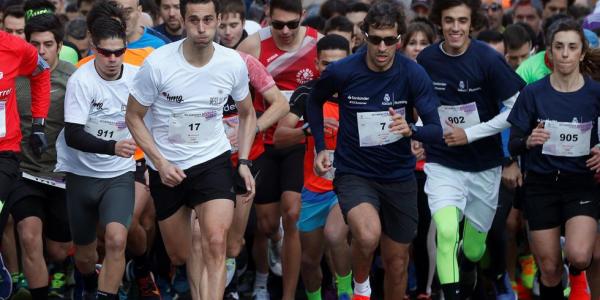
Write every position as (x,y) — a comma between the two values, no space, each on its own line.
(463,174)
(492,9)
(288,50)
(374,177)
(95,150)
(187,150)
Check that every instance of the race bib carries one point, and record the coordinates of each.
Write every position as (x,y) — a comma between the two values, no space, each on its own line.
(373,128)
(2,119)
(331,173)
(231,125)
(567,139)
(185,128)
(108,130)
(462,116)
(47,181)
(288,95)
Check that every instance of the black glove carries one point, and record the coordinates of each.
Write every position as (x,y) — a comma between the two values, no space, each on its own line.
(37,140)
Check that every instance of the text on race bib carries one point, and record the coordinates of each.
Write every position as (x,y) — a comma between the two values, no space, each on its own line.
(331,173)
(108,130)
(231,125)
(2,118)
(567,139)
(373,128)
(463,116)
(186,128)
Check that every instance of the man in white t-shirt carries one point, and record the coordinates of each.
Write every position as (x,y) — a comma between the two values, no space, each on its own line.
(184,86)
(94,150)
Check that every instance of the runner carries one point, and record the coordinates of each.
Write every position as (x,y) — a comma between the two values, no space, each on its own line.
(233,19)
(374,176)
(95,150)
(18,58)
(139,36)
(463,174)
(39,205)
(13,21)
(321,223)
(172,27)
(188,151)
(554,125)
(288,50)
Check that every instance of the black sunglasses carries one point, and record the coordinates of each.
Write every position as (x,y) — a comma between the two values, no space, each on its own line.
(493,6)
(388,41)
(109,53)
(279,25)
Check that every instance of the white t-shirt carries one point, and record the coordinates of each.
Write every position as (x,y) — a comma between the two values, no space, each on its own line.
(100,105)
(186,102)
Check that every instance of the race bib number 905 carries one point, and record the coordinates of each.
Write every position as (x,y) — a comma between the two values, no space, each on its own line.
(373,128)
(567,139)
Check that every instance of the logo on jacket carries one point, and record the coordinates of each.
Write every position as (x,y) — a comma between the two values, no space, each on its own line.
(177,99)
(305,75)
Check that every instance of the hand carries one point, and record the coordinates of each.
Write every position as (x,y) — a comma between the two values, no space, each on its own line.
(399,125)
(232,134)
(538,136)
(170,175)
(246,175)
(125,148)
(38,140)
(322,163)
(417,149)
(455,136)
(331,123)
(147,180)
(594,161)
(512,176)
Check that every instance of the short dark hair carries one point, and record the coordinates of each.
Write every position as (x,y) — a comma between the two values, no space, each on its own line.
(417,26)
(234,7)
(490,36)
(333,42)
(569,2)
(76,28)
(71,8)
(548,24)
(105,9)
(15,11)
(339,23)
(477,18)
(385,14)
(358,7)
(151,8)
(316,22)
(535,5)
(515,36)
(294,6)
(183,5)
(332,7)
(107,28)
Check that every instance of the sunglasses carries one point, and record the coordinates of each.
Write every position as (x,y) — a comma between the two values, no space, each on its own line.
(109,53)
(279,25)
(492,6)
(388,41)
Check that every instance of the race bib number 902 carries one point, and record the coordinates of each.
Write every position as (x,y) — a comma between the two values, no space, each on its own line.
(463,116)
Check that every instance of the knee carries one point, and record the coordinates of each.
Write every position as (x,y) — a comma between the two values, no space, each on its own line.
(580,259)
(474,252)
(396,263)
(115,242)
(87,257)
(335,236)
(216,241)
(234,247)
(367,239)
(31,241)
(291,215)
(310,262)
(58,252)
(447,237)
(551,269)
(268,226)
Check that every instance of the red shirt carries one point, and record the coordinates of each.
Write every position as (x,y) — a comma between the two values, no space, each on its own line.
(19,58)
(289,69)
(312,181)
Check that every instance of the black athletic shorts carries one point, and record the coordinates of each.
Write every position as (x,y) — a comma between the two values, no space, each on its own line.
(207,181)
(48,203)
(9,172)
(395,201)
(281,170)
(140,171)
(239,186)
(551,200)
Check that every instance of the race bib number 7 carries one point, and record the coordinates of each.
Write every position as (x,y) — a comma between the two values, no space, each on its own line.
(373,128)
(567,139)
(463,116)
(2,118)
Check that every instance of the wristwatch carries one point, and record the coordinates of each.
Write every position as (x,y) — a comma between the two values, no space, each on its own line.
(38,121)
(246,162)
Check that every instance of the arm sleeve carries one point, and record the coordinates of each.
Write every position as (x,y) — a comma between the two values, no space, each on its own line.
(144,88)
(298,101)
(38,71)
(324,88)
(521,118)
(426,103)
(493,126)
(77,138)
(240,87)
(260,79)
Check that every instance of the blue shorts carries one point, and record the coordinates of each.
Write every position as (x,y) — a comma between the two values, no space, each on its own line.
(315,209)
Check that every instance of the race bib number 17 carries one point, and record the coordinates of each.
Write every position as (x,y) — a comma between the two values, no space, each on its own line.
(185,128)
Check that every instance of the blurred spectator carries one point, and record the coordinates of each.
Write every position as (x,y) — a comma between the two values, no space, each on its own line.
(77,34)
(13,20)
(340,25)
(418,36)
(332,8)
(71,11)
(555,7)
(518,44)
(494,39)
(421,8)
(84,6)
(494,12)
(233,18)
(316,22)
(172,26)
(356,14)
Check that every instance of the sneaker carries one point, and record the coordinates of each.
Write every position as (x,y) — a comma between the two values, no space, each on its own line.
(165,288)
(275,253)
(579,287)
(360,297)
(528,270)
(344,296)
(230,268)
(231,296)
(504,289)
(261,294)
(58,285)
(6,284)
(147,288)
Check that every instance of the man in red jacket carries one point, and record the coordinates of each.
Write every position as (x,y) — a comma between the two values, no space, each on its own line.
(18,58)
